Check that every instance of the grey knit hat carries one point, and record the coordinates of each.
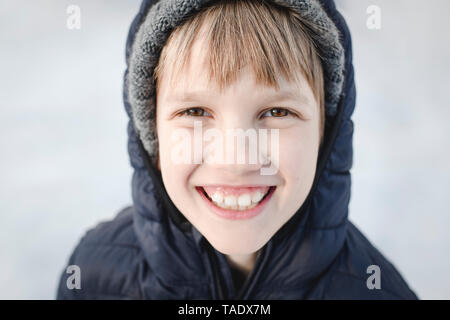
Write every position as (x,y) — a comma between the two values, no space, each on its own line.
(165,15)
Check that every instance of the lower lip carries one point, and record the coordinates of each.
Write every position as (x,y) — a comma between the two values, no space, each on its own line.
(236,214)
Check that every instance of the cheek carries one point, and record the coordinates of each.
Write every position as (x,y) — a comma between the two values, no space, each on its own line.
(298,158)
(167,140)
(176,182)
(175,175)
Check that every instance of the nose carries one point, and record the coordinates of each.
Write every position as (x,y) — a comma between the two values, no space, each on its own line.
(237,151)
(237,169)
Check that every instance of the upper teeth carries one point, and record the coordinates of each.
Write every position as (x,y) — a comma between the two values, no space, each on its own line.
(244,201)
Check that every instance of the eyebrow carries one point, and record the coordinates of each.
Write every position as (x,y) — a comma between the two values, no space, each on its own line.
(278,96)
(284,96)
(190,96)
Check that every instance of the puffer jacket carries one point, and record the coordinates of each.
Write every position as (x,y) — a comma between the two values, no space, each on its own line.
(150,251)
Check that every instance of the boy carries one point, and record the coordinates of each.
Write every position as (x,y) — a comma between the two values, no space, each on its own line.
(273,226)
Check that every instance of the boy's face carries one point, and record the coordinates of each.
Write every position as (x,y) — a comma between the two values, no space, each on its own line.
(243,105)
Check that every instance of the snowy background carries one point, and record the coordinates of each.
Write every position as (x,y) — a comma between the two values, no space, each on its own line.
(64,164)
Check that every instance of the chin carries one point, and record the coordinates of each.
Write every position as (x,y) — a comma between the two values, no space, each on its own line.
(237,244)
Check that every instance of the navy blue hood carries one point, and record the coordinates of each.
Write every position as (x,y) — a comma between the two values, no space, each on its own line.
(317,254)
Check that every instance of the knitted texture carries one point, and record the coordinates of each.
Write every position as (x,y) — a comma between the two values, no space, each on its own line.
(165,15)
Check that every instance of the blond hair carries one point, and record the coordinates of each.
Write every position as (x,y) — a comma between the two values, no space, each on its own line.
(270,38)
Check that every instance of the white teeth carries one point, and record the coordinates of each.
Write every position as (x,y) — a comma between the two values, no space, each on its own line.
(217,197)
(230,201)
(257,196)
(244,200)
(236,207)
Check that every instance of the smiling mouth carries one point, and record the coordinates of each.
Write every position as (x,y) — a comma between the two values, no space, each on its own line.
(236,198)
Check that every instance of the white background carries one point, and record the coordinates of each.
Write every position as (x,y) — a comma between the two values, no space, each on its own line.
(64,163)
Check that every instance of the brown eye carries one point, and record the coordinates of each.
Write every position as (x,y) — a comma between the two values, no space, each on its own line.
(276,112)
(195,112)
